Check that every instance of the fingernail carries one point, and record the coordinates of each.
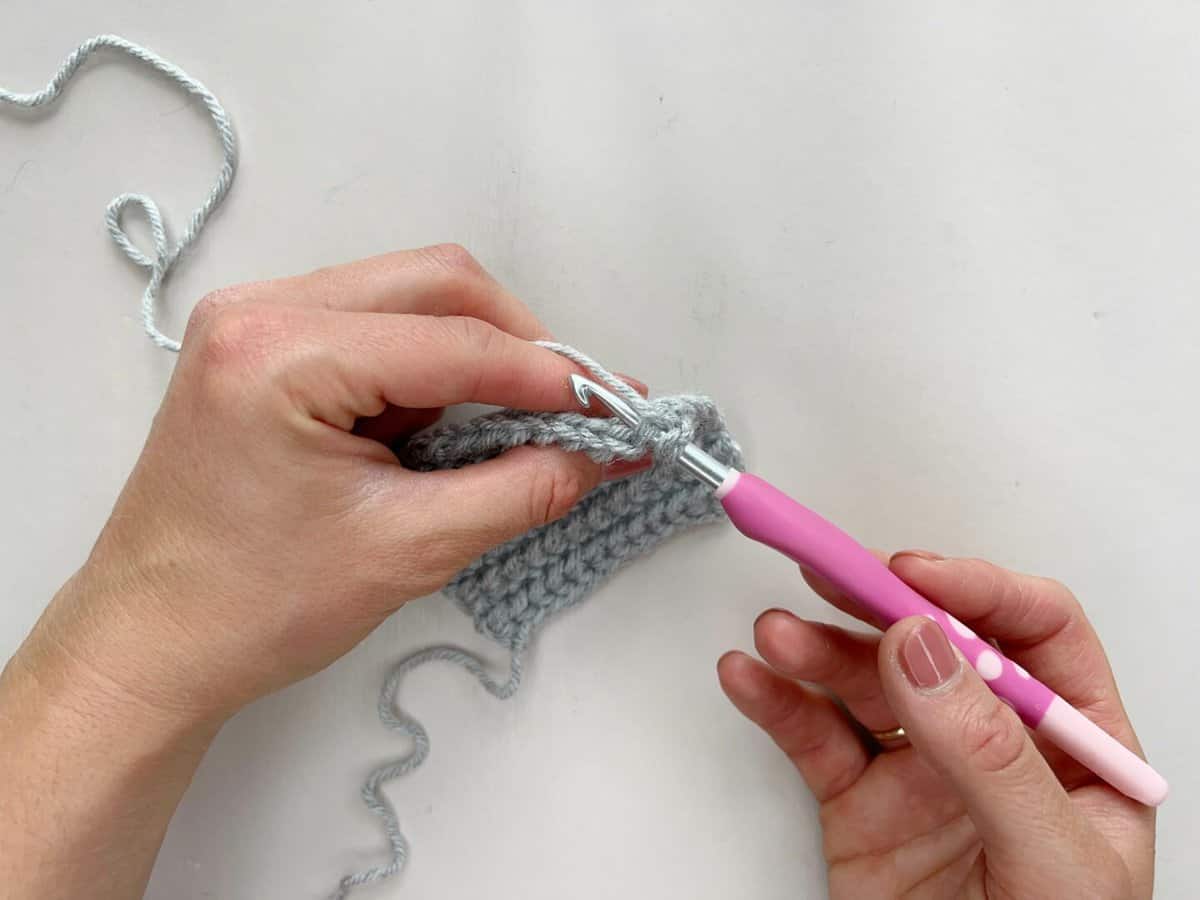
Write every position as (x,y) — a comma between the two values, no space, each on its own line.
(920,554)
(639,386)
(927,657)
(623,468)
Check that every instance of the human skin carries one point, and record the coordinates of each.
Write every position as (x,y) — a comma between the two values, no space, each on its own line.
(975,807)
(266,529)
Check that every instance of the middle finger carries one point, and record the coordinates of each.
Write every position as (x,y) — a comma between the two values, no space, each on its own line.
(843,662)
(442,280)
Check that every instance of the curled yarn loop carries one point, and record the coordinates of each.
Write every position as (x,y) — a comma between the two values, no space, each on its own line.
(510,590)
(165,254)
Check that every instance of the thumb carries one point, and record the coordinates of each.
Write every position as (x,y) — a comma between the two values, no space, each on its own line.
(481,506)
(968,735)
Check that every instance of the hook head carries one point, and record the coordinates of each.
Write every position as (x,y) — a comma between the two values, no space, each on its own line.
(582,389)
(586,390)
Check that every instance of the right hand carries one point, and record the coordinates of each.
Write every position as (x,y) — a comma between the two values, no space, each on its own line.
(976,807)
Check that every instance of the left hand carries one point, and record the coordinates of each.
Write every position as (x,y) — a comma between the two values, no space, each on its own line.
(265,530)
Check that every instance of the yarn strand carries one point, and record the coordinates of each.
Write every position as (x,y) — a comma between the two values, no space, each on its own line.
(394,718)
(165,254)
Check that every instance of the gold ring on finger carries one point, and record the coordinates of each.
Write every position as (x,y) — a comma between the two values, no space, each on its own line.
(892,739)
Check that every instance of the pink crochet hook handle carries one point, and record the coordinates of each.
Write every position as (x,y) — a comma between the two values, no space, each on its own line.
(771,517)
(767,515)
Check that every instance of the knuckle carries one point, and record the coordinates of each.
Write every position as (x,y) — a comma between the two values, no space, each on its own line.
(453,267)
(212,302)
(836,662)
(476,334)
(236,333)
(554,489)
(993,737)
(452,258)
(453,271)
(1049,602)
(1059,593)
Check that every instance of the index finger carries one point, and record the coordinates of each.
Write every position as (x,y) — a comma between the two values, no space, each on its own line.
(349,365)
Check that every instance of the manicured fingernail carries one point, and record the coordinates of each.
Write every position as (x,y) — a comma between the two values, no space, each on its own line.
(927,657)
(920,554)
(623,468)
(639,386)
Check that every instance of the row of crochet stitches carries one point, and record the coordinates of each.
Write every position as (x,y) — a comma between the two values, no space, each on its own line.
(511,589)
(668,423)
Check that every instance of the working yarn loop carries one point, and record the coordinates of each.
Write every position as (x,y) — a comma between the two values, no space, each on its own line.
(667,425)
(165,254)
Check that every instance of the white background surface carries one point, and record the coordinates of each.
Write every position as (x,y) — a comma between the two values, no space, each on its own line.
(938,262)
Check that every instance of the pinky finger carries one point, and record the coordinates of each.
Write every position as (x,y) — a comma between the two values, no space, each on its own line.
(807,726)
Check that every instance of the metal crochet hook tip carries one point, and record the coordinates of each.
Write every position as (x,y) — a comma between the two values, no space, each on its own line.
(585,389)
(694,460)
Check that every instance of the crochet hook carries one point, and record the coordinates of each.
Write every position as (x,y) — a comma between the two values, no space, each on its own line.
(767,515)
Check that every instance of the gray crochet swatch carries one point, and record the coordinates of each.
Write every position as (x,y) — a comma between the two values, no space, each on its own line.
(510,591)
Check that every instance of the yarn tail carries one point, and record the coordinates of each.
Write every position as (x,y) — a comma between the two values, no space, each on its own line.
(157,264)
(397,720)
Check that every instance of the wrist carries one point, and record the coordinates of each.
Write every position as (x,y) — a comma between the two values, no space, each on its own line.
(90,771)
(104,655)
(44,703)
(47,689)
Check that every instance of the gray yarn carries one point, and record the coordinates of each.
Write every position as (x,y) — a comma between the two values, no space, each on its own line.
(394,718)
(510,590)
(165,255)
